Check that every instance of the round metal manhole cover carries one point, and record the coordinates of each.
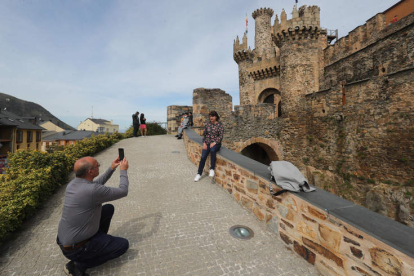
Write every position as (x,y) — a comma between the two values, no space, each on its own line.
(241,232)
(175,151)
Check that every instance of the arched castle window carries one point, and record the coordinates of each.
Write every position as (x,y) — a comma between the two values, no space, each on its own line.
(271,95)
(260,152)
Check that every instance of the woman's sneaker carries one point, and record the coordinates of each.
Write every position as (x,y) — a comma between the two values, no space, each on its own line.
(211,173)
(197,178)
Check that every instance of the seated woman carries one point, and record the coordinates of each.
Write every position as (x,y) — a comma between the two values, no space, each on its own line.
(212,137)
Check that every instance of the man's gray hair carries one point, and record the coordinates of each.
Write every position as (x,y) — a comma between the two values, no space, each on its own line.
(83,169)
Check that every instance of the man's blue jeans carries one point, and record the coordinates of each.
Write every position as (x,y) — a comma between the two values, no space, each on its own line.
(101,247)
(204,155)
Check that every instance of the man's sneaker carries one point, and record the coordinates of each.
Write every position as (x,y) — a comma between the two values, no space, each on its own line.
(72,269)
(179,137)
(197,178)
(176,135)
(211,173)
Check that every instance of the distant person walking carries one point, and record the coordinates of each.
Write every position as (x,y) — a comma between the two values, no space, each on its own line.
(135,123)
(212,137)
(143,127)
(394,20)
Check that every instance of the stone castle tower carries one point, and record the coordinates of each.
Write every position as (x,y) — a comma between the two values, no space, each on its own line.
(287,61)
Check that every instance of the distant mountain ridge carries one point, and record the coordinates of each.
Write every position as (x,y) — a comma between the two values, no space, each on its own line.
(29,109)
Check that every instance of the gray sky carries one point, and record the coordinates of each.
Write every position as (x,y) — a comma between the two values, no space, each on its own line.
(128,55)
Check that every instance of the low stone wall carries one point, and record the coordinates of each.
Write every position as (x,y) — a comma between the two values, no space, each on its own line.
(332,244)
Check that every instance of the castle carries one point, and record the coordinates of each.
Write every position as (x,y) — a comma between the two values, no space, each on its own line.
(343,112)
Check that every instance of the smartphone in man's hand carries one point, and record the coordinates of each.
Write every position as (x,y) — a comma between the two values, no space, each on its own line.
(121,154)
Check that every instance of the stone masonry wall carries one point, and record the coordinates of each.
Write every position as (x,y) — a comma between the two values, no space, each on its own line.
(263,39)
(383,52)
(365,128)
(333,246)
(174,117)
(206,100)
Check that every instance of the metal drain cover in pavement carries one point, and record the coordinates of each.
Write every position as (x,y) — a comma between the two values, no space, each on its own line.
(241,232)
(176,151)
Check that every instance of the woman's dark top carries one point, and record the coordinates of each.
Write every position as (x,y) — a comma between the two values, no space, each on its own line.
(213,133)
(191,120)
(143,121)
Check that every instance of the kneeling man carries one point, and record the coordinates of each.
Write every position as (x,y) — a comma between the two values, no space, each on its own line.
(83,229)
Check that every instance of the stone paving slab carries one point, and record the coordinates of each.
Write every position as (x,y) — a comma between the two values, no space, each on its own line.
(175,226)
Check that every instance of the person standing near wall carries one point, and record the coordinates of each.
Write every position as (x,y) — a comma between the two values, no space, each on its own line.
(190,118)
(135,123)
(212,137)
(143,127)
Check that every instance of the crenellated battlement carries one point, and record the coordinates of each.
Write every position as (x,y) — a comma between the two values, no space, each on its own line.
(243,55)
(237,46)
(262,11)
(305,24)
(357,39)
(264,68)
(297,33)
(303,17)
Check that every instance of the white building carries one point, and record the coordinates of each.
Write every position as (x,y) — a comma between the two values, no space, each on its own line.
(98,125)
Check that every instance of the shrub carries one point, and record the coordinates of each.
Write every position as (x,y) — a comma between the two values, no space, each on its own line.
(152,129)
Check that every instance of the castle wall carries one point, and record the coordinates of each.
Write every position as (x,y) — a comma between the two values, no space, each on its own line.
(246,83)
(174,117)
(391,51)
(206,100)
(365,128)
(333,243)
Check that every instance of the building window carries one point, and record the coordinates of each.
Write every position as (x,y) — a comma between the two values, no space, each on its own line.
(38,136)
(37,146)
(28,145)
(18,147)
(101,129)
(19,136)
(29,136)
(107,129)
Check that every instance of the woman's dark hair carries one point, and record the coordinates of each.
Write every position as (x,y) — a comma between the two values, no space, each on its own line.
(215,114)
(142,116)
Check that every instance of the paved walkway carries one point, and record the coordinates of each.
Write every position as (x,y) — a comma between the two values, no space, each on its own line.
(174,225)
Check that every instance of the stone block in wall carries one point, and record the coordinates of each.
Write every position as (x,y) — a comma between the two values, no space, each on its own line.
(272,225)
(329,237)
(313,212)
(285,238)
(285,212)
(259,212)
(290,203)
(307,230)
(327,270)
(252,186)
(386,261)
(246,202)
(323,251)
(237,196)
(308,255)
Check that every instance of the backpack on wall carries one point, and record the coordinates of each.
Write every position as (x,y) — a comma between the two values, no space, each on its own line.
(288,177)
